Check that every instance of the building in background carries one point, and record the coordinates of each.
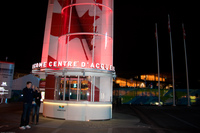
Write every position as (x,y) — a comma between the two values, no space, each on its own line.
(20,83)
(143,81)
(142,89)
(6,80)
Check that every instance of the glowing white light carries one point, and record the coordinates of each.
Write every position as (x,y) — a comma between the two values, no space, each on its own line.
(4,84)
(75,85)
(51,103)
(71,104)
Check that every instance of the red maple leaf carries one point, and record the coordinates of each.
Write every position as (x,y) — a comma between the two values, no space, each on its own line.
(60,23)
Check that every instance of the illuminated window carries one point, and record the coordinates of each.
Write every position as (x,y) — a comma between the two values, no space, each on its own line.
(142,85)
(129,83)
(151,78)
(121,82)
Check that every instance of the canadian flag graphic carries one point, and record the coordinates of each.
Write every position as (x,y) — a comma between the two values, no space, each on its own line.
(80,30)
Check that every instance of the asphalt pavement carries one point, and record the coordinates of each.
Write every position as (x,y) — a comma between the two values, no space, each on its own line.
(178,119)
(126,119)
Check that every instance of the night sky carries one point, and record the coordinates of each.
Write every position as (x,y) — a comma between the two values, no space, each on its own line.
(134,36)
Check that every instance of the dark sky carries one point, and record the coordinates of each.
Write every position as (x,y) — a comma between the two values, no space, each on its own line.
(135,44)
(134,36)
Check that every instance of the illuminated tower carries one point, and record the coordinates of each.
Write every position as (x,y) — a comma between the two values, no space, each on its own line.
(79,30)
(77,59)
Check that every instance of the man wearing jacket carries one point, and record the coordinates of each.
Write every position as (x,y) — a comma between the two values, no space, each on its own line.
(27,105)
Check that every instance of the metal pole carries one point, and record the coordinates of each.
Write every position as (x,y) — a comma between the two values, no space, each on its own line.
(77,89)
(80,89)
(172,60)
(186,66)
(64,88)
(56,87)
(93,89)
(69,87)
(156,35)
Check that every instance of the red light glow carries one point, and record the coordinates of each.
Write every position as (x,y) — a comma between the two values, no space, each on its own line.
(79,31)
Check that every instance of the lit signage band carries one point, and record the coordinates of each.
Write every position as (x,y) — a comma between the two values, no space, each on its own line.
(73,64)
(3,91)
(77,104)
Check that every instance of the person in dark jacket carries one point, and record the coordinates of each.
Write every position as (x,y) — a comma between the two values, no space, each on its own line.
(36,105)
(27,105)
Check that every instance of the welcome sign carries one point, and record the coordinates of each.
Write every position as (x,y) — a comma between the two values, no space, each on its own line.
(73,64)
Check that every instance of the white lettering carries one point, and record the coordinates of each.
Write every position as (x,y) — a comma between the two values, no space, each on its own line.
(102,66)
(64,63)
(106,66)
(110,67)
(40,65)
(59,63)
(55,63)
(3,91)
(92,65)
(50,63)
(82,64)
(97,65)
(45,64)
(69,64)
(75,63)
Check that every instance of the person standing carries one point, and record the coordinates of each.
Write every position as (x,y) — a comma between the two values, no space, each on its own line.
(36,106)
(27,105)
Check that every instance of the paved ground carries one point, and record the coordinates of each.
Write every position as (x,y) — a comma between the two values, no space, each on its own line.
(10,120)
(179,119)
(126,119)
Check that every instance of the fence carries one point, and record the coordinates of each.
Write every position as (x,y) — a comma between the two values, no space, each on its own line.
(147,96)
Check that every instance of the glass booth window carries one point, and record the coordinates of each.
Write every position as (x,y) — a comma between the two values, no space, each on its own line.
(89,88)
(75,88)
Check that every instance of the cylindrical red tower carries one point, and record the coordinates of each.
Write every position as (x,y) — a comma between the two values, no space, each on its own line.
(80,30)
(77,60)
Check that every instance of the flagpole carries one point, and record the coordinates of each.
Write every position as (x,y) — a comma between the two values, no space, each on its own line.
(169,28)
(186,65)
(156,35)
